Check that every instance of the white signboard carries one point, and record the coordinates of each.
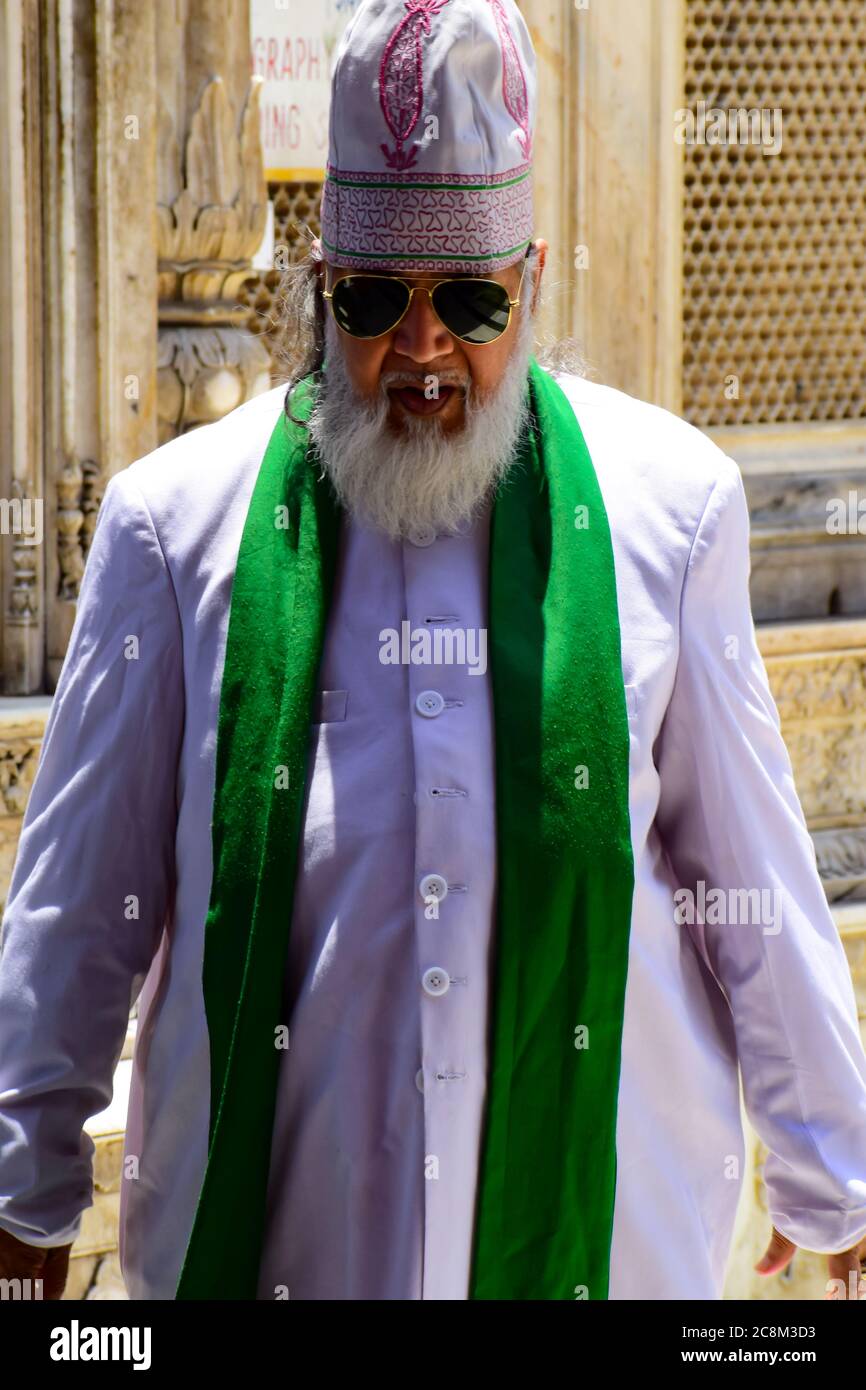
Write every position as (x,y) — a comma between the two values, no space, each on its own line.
(294,43)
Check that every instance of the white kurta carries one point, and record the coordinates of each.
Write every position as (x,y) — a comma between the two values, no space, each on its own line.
(372,1181)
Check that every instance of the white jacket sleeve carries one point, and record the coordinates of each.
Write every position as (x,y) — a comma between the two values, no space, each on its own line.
(729,816)
(94,873)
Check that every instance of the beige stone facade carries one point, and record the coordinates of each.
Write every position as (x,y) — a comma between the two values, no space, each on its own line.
(723,281)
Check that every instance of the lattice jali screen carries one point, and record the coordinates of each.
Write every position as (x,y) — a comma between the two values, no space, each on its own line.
(775,244)
(296,206)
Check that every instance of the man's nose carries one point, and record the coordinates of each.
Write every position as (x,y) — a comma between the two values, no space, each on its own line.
(421,335)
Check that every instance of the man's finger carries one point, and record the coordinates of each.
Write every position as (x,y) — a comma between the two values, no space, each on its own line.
(778,1254)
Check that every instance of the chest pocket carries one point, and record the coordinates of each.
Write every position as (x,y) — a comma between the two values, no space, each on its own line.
(329,706)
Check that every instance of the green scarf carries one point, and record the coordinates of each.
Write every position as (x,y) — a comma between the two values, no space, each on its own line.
(565,874)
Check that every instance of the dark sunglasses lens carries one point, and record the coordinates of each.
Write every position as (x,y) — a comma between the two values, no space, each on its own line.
(367,305)
(474,310)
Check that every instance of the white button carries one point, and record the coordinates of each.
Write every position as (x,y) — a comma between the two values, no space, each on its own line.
(429,703)
(419,1078)
(425,535)
(435,981)
(433,886)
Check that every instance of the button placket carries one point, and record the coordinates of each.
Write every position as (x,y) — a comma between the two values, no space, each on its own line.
(447,586)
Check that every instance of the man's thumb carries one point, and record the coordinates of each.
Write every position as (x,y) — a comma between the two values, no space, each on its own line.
(778,1254)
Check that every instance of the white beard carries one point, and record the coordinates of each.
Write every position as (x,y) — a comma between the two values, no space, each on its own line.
(422,477)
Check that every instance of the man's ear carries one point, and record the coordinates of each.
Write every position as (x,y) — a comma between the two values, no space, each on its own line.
(541,247)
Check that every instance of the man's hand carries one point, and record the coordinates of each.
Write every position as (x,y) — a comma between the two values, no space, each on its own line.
(840,1284)
(21,1261)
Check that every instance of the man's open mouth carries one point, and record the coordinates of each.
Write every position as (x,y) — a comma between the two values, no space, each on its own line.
(413,399)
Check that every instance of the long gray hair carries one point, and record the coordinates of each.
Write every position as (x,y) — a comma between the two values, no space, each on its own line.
(299,337)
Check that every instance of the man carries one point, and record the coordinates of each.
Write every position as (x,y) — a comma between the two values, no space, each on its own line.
(414,751)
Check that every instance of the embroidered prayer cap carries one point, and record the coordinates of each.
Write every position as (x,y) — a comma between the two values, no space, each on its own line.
(433,107)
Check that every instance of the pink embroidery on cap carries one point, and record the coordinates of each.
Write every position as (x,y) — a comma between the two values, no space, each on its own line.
(401,79)
(513,79)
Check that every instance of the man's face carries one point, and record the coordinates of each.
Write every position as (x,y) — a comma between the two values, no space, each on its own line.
(395,463)
(421,346)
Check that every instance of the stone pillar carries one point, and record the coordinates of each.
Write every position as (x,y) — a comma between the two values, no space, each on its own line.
(77,293)
(211,213)
(22,479)
(608,175)
(555,157)
(131,202)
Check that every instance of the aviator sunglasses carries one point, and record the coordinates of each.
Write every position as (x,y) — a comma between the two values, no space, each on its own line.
(476,311)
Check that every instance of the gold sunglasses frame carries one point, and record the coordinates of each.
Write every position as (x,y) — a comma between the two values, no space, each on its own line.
(426,289)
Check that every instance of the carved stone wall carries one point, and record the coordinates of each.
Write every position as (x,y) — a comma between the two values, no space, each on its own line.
(821,697)
(132,200)
(297,219)
(211,218)
(77,297)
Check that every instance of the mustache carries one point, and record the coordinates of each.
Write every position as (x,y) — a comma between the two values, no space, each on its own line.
(449,376)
